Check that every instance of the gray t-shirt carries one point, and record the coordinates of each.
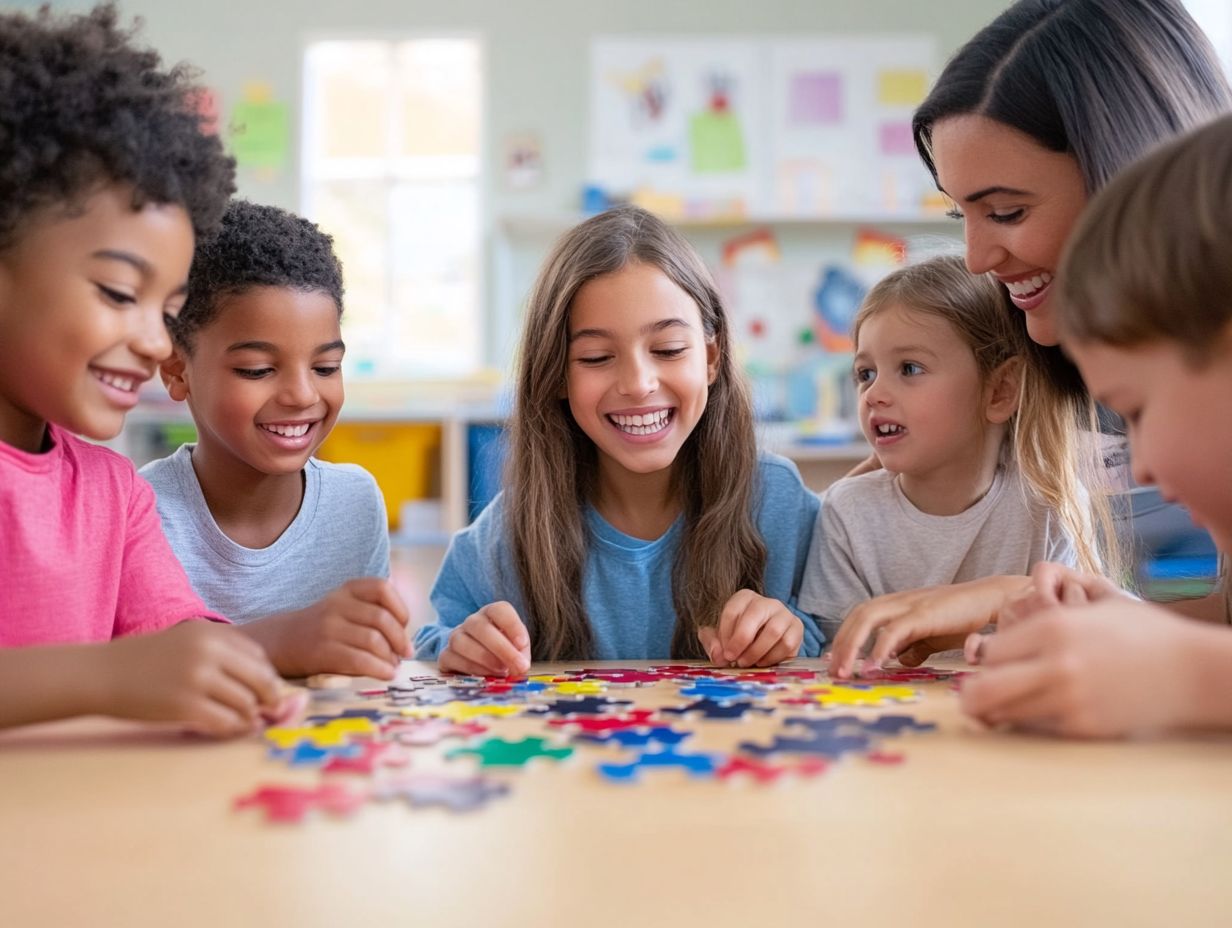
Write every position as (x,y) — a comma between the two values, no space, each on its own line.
(870,540)
(339,533)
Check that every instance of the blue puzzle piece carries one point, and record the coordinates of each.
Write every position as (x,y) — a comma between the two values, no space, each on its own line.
(375,715)
(306,754)
(824,745)
(632,738)
(713,709)
(723,690)
(883,725)
(697,765)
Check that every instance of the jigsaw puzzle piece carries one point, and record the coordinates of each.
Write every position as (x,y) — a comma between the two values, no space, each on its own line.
(292,803)
(498,752)
(696,765)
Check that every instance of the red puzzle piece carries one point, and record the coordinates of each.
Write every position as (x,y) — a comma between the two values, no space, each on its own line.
(636,718)
(292,803)
(764,772)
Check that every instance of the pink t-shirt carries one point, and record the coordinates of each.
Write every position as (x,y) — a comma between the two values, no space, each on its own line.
(82,553)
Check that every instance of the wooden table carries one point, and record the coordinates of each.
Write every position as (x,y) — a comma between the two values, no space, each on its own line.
(107,823)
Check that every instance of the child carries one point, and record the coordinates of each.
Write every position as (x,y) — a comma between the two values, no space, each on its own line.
(638,520)
(1146,314)
(294,548)
(938,368)
(105,178)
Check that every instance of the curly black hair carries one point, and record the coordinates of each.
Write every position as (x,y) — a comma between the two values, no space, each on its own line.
(81,106)
(256,246)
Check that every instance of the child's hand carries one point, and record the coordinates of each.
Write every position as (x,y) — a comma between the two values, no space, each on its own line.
(1051,585)
(358,629)
(210,677)
(916,623)
(753,631)
(492,642)
(1114,667)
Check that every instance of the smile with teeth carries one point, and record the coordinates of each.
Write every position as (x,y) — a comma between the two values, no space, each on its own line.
(119,381)
(1030,286)
(289,431)
(889,428)
(645,424)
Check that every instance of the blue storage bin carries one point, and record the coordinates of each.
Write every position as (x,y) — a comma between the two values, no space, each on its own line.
(485,457)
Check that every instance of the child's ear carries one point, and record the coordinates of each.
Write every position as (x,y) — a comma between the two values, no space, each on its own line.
(174,374)
(1003,391)
(712,361)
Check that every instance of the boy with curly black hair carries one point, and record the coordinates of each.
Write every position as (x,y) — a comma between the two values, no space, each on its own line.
(105,179)
(296,548)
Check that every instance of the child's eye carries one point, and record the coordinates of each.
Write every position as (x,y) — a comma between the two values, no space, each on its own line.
(253,373)
(911,369)
(670,352)
(954,213)
(116,296)
(864,374)
(327,370)
(593,360)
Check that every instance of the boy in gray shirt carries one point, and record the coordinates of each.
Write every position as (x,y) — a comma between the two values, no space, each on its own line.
(294,549)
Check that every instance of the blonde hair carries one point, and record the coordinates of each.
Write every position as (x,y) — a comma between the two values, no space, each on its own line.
(553,465)
(1044,437)
(1148,260)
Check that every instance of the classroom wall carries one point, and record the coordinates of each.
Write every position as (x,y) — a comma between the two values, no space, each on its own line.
(537,57)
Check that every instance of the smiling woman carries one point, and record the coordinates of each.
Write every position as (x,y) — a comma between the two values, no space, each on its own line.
(1026,123)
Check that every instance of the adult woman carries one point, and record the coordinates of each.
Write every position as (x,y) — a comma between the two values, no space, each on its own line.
(1027,121)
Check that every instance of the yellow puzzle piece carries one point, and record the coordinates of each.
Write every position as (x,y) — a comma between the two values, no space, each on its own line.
(332,734)
(839,695)
(460,711)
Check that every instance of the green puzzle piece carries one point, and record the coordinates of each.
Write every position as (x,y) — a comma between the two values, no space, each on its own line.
(497,752)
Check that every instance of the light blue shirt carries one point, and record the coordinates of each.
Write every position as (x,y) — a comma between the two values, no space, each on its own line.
(627,581)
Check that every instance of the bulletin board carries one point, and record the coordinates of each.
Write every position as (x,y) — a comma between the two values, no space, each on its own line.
(761,127)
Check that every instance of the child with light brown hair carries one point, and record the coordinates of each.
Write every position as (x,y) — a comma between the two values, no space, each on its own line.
(638,520)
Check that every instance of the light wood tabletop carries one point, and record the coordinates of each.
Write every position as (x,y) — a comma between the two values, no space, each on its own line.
(110,823)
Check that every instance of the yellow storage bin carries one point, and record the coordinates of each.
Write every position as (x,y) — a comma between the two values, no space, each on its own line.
(404,458)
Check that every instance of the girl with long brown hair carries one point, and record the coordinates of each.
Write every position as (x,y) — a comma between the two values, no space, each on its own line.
(638,520)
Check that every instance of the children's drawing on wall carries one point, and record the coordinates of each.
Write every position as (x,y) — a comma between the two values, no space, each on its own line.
(840,135)
(523,160)
(673,125)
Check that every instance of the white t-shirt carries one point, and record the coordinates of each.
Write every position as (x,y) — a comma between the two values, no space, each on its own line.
(870,540)
(339,534)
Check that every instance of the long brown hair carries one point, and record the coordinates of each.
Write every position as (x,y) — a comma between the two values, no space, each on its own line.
(552,467)
(1045,426)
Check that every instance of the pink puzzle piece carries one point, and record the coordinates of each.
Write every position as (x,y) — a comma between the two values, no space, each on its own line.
(637,718)
(292,803)
(427,732)
(372,754)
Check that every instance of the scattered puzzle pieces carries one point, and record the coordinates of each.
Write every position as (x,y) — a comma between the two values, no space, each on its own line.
(464,711)
(427,732)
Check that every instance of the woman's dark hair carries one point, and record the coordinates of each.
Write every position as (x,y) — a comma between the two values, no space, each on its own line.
(1103,80)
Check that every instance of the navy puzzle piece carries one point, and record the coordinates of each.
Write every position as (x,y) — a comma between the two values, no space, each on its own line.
(713,709)
(697,765)
(632,738)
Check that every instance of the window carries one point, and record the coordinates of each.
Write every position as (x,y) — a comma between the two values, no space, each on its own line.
(392,170)
(1215,18)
